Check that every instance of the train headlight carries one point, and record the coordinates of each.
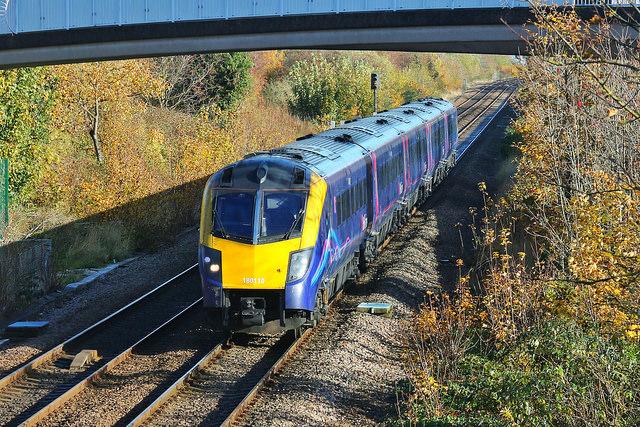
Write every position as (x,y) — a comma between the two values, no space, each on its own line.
(210,263)
(299,264)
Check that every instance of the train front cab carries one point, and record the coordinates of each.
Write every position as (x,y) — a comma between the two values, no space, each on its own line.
(258,255)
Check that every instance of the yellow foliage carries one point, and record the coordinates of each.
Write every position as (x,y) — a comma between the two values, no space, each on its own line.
(147,150)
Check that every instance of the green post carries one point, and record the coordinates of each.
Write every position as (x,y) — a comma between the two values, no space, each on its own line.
(4,195)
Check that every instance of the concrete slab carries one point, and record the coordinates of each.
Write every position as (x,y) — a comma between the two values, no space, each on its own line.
(381,308)
(88,281)
(26,328)
(82,358)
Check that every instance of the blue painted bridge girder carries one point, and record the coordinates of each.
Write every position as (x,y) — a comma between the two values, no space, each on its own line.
(38,32)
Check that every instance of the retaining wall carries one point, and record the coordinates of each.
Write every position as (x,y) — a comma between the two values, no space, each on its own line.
(25,272)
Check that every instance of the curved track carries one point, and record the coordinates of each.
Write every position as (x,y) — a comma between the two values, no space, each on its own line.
(209,381)
(222,386)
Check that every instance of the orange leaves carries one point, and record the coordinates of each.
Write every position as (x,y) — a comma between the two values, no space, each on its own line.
(147,149)
(111,87)
(605,256)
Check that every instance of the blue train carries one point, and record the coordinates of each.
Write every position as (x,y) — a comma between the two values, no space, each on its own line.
(282,231)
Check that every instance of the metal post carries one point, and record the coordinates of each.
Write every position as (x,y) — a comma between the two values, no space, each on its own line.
(4,194)
(375,101)
(6,191)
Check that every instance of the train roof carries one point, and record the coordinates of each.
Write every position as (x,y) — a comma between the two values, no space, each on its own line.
(332,150)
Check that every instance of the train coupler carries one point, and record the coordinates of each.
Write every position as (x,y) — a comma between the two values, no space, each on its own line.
(252,311)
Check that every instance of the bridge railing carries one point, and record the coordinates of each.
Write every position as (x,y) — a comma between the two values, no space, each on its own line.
(18,16)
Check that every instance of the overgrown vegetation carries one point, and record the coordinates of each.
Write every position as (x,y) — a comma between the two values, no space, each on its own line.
(26,101)
(336,86)
(551,337)
(127,144)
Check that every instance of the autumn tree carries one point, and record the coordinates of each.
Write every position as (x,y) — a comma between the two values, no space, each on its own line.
(89,91)
(330,89)
(578,182)
(195,82)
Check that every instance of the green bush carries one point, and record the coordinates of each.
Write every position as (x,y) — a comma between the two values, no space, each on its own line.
(556,375)
(330,89)
(26,101)
(201,81)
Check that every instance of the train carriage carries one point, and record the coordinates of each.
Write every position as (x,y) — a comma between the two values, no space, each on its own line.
(282,231)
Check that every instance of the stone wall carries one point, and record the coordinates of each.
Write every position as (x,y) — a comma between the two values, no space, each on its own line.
(25,272)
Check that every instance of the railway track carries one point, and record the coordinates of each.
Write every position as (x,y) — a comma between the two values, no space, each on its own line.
(210,382)
(475,98)
(222,386)
(44,383)
(503,92)
(480,105)
(135,378)
(216,386)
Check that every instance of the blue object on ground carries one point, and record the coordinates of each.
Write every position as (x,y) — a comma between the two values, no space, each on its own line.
(26,328)
(374,307)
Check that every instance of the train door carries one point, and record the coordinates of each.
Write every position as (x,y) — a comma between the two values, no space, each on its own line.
(446,136)
(429,148)
(406,176)
(370,193)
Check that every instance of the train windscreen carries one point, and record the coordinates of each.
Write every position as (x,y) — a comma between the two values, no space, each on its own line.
(282,214)
(233,214)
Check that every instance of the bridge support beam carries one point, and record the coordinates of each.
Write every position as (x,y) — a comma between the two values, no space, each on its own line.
(480,30)
(498,39)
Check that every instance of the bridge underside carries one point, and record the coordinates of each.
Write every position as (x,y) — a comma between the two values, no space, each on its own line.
(497,31)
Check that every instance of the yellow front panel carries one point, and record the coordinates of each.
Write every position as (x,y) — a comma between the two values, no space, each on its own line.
(264,266)
(246,266)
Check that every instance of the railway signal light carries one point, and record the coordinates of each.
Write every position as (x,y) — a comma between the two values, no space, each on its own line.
(375,81)
(375,85)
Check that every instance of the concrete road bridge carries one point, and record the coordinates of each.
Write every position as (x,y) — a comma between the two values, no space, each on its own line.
(38,32)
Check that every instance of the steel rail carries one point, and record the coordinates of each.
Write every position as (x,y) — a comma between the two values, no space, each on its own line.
(58,351)
(182,382)
(481,114)
(469,97)
(123,356)
(482,90)
(491,88)
(295,346)
(175,387)
(486,125)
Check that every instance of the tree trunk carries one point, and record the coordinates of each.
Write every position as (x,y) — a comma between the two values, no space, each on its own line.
(97,145)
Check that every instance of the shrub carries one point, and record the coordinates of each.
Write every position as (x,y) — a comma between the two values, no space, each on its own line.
(95,244)
(200,81)
(556,374)
(330,89)
(26,101)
